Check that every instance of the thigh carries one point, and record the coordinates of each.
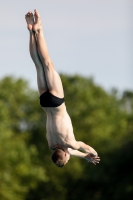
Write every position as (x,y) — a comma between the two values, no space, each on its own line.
(54,82)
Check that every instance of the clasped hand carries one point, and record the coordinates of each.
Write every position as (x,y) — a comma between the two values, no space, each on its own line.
(90,157)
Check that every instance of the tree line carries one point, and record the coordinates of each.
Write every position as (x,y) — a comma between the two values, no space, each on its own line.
(102,119)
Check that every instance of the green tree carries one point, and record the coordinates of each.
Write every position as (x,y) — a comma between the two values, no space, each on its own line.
(20,170)
(100,119)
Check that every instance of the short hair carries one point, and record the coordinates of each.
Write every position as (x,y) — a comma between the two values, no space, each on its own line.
(58,157)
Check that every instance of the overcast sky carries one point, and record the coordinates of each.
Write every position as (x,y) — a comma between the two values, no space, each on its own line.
(87,37)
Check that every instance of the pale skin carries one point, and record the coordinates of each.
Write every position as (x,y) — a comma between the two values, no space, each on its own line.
(59,126)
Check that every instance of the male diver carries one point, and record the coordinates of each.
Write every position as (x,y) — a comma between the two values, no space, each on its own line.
(59,128)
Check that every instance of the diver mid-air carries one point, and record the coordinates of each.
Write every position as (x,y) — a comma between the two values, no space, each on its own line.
(59,128)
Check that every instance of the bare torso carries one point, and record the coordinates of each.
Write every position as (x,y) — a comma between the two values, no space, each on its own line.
(59,128)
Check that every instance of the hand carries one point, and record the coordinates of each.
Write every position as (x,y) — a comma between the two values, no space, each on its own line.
(90,157)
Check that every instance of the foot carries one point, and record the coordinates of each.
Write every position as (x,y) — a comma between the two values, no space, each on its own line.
(37,24)
(30,21)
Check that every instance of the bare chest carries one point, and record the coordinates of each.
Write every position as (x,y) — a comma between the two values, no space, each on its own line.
(59,131)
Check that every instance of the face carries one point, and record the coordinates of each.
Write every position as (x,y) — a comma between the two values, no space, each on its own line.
(67,155)
(65,158)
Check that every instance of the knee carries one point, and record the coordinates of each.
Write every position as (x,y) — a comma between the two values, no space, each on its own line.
(48,64)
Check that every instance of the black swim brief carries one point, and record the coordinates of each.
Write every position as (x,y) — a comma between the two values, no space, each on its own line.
(49,100)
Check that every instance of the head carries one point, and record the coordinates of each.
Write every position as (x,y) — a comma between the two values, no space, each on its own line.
(60,157)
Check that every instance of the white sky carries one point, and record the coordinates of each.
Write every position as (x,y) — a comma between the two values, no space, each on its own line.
(86,37)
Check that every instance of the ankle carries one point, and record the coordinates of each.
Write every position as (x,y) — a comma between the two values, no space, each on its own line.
(31,31)
(38,32)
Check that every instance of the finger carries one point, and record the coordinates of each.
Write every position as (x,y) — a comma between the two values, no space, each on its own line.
(93,162)
(97,159)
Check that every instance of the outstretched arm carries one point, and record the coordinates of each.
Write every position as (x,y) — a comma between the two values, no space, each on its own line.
(84,147)
(87,156)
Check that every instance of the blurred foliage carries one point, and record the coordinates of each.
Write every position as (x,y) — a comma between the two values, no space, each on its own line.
(101,119)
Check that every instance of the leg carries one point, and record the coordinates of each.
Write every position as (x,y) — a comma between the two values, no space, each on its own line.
(42,85)
(41,80)
(52,77)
